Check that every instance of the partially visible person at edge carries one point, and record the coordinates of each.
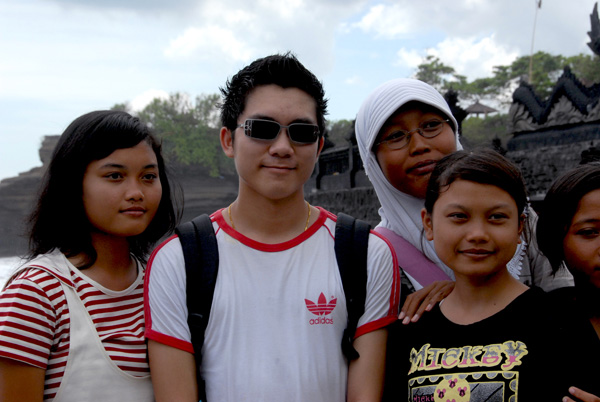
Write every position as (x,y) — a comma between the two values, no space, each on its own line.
(276,254)
(492,337)
(402,129)
(71,318)
(568,233)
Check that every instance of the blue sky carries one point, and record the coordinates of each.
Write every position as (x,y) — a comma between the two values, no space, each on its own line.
(62,58)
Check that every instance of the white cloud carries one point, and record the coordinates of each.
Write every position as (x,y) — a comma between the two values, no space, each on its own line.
(385,21)
(409,58)
(208,42)
(246,31)
(142,100)
(285,9)
(354,80)
(473,57)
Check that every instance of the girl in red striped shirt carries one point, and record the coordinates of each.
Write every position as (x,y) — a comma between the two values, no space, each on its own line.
(71,318)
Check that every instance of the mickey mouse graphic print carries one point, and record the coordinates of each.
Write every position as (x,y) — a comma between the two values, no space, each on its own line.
(521,353)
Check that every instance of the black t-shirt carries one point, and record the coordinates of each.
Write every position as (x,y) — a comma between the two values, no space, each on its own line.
(522,353)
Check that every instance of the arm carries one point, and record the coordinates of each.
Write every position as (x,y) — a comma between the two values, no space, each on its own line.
(423,300)
(170,352)
(20,381)
(173,373)
(29,320)
(365,375)
(581,396)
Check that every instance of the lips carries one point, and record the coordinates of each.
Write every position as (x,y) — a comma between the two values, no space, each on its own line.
(422,168)
(476,253)
(277,168)
(134,211)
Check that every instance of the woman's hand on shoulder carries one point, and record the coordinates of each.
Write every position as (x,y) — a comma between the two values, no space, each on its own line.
(424,300)
(581,396)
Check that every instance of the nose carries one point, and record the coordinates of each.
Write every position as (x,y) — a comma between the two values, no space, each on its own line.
(282,145)
(134,191)
(417,144)
(477,232)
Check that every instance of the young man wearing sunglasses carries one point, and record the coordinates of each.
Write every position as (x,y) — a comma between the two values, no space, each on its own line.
(278,310)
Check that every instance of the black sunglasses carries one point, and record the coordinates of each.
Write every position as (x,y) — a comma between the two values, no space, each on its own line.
(268,130)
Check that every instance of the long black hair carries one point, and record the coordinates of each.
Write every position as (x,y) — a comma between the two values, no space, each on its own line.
(58,220)
(559,207)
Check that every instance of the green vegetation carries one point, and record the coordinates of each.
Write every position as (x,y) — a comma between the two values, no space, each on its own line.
(546,69)
(189,128)
(339,130)
(480,131)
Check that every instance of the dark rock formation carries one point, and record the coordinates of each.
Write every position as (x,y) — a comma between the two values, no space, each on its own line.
(201,193)
(17,197)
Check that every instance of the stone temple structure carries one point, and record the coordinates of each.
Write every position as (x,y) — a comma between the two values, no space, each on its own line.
(553,135)
(549,136)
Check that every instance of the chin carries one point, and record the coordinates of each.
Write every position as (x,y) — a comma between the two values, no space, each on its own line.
(127,232)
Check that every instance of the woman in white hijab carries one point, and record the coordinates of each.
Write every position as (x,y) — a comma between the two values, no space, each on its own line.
(402,129)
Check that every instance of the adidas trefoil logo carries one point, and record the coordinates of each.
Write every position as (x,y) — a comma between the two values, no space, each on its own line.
(321,308)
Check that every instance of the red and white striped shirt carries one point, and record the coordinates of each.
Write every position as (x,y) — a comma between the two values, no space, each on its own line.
(34,322)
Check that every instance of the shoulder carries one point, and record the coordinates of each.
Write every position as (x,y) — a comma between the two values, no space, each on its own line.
(41,277)
(169,253)
(32,283)
(376,242)
(379,243)
(532,296)
(166,266)
(533,308)
(52,267)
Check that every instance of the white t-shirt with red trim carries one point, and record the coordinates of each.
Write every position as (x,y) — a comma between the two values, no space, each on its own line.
(35,320)
(277,316)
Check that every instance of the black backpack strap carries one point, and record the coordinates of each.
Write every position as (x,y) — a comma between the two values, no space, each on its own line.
(351,244)
(201,254)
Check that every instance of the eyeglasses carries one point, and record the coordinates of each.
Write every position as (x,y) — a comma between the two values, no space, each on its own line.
(268,130)
(399,139)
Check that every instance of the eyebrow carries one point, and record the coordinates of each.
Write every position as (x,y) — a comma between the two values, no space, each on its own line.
(119,166)
(461,206)
(586,220)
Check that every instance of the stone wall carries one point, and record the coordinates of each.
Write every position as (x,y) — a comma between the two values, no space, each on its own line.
(542,166)
(359,202)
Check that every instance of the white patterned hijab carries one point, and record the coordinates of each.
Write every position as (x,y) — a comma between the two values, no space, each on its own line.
(399,211)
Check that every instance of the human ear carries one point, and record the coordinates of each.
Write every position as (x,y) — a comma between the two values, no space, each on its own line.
(321,143)
(427,224)
(227,142)
(522,218)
